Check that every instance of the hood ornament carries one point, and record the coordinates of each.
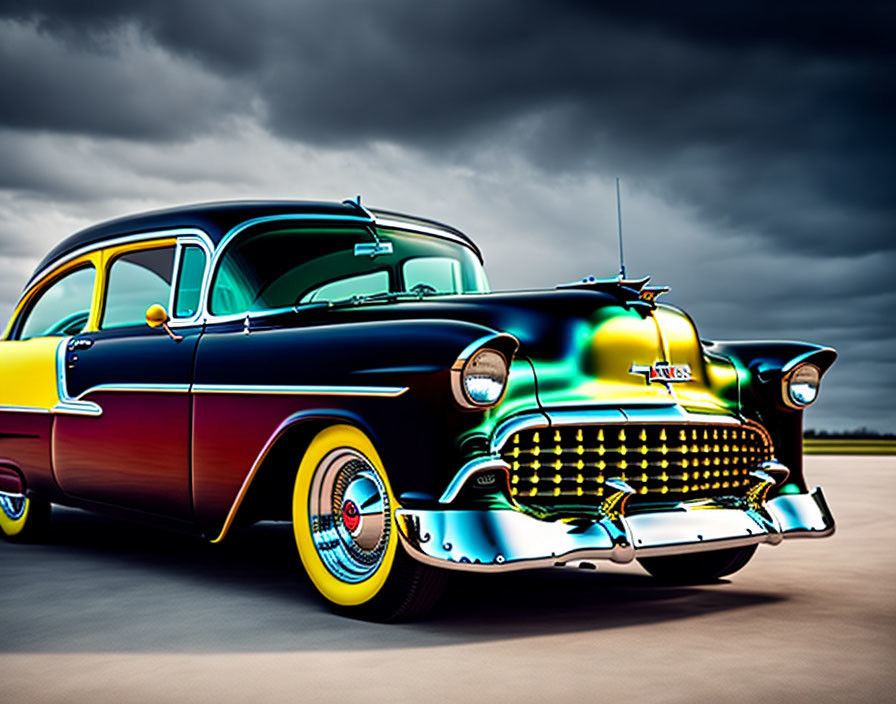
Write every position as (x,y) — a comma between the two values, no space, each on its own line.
(663,372)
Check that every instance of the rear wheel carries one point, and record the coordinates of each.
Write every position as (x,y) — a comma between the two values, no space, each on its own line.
(24,520)
(698,567)
(343,519)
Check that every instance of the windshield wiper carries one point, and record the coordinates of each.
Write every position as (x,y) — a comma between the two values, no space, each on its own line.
(384,297)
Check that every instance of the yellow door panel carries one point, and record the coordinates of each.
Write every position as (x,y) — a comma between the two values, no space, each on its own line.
(28,373)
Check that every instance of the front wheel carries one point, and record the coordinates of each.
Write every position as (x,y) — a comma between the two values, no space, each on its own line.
(698,567)
(24,520)
(343,519)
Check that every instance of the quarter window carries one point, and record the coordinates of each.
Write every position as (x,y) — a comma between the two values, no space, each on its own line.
(62,308)
(136,281)
(189,281)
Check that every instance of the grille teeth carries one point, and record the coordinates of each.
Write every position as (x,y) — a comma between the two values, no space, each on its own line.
(662,463)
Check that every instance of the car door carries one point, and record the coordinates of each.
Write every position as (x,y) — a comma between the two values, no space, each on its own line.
(126,439)
(56,306)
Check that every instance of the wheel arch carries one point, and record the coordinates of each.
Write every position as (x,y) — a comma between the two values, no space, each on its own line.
(266,492)
(12,478)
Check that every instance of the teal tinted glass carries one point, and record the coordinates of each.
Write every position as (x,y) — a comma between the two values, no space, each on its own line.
(62,308)
(189,282)
(360,285)
(272,269)
(433,274)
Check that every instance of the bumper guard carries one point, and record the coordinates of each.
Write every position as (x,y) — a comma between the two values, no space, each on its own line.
(507,539)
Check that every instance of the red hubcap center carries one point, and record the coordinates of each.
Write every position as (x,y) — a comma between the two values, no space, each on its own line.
(351,516)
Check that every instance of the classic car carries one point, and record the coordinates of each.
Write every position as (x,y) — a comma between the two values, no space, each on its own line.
(206,367)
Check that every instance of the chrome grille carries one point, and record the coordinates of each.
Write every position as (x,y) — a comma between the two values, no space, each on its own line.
(570,465)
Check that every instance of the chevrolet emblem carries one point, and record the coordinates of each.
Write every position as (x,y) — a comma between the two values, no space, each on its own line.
(663,372)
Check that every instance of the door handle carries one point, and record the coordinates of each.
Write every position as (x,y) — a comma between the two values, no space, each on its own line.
(80,343)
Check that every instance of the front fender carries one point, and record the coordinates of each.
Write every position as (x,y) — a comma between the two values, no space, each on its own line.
(761,368)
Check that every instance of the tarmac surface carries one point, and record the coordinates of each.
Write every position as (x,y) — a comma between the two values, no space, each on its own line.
(108,612)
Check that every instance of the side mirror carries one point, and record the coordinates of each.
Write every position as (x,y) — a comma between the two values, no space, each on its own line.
(157,316)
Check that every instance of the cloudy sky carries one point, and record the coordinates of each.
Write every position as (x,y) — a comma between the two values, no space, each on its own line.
(755,144)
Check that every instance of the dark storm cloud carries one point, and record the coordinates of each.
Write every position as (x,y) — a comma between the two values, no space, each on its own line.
(112,84)
(772,119)
(764,130)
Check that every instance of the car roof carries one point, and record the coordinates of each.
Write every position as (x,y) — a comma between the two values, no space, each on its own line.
(217,219)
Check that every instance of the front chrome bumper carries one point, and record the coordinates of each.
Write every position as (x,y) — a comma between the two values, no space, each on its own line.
(507,539)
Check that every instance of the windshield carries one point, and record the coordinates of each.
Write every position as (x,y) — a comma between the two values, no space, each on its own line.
(281,268)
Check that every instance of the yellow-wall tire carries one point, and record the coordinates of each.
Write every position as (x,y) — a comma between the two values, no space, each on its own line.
(13,527)
(26,525)
(336,590)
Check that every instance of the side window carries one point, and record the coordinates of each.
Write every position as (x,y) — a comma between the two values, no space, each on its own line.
(189,282)
(136,281)
(433,275)
(62,308)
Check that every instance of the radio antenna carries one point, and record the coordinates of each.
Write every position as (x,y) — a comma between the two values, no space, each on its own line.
(619,218)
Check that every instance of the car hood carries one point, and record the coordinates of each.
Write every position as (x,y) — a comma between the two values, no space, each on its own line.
(583,345)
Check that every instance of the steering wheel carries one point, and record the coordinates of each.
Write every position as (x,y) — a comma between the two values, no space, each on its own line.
(69,325)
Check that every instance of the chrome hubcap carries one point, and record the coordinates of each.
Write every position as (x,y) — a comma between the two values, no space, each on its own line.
(13,506)
(349,512)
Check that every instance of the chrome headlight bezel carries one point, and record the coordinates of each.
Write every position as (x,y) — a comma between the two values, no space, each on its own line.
(486,366)
(800,386)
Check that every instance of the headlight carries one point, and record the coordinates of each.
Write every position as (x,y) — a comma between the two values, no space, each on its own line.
(801,386)
(480,380)
(484,377)
(479,374)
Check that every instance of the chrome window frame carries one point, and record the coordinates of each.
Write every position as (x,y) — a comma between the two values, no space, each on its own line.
(195,236)
(221,249)
(37,291)
(205,245)
(183,236)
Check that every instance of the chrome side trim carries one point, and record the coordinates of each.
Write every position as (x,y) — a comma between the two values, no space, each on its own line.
(23,409)
(384,391)
(483,464)
(138,388)
(77,406)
